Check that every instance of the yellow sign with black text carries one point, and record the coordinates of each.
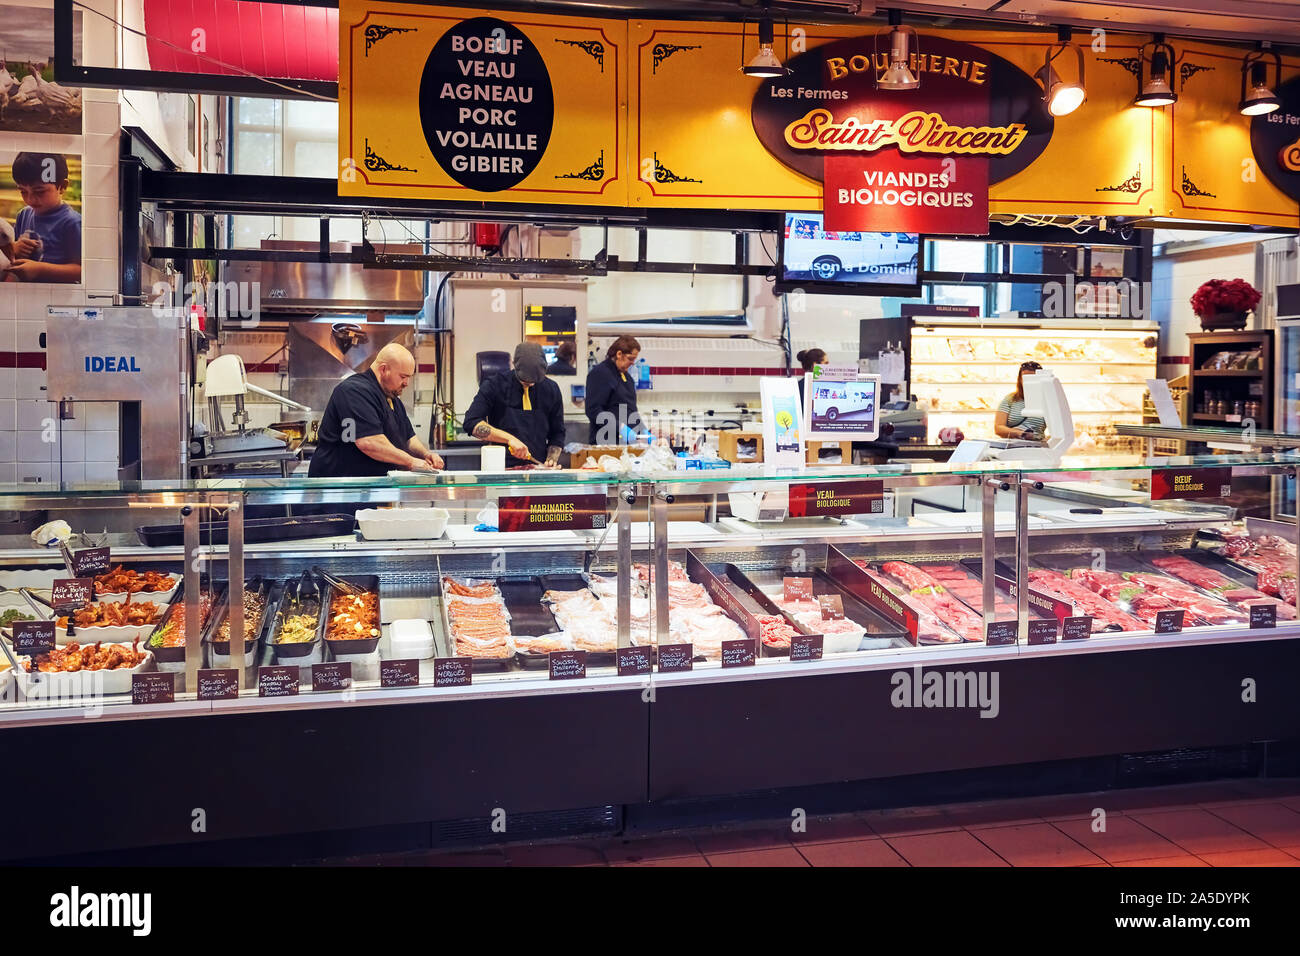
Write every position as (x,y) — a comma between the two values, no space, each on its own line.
(453,104)
(457,104)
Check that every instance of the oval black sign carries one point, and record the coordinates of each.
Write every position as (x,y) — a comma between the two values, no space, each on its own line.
(1275,140)
(964,85)
(486,104)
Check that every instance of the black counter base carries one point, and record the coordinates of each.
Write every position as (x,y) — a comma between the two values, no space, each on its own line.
(291,785)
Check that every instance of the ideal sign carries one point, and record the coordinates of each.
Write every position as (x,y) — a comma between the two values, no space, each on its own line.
(913,161)
(111,363)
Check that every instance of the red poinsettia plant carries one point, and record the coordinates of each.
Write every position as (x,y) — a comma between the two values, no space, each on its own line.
(1224,295)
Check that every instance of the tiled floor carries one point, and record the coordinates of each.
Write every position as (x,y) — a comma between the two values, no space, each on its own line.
(1233,823)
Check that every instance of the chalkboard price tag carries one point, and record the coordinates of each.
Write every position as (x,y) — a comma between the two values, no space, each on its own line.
(1169,622)
(68,594)
(806,647)
(1076,628)
(1263,615)
(832,606)
(797,589)
(404,673)
(453,671)
(154,688)
(278,680)
(567,665)
(1042,632)
(1001,632)
(738,653)
(218,684)
(90,561)
(633,661)
(33,637)
(675,657)
(333,675)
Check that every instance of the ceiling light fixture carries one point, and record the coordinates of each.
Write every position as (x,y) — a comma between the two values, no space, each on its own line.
(1062,98)
(1260,98)
(765,63)
(1158,68)
(898,74)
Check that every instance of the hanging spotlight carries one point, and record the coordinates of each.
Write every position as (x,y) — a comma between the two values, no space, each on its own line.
(898,75)
(1159,67)
(765,63)
(1260,98)
(1061,98)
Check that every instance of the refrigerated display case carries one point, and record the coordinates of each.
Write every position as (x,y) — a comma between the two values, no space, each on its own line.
(669,648)
(962,373)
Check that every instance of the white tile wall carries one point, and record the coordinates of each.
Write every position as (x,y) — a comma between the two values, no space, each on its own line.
(36,471)
(23,305)
(72,446)
(33,447)
(73,471)
(32,414)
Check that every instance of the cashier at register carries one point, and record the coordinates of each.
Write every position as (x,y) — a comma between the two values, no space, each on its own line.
(521,409)
(1011,420)
(365,431)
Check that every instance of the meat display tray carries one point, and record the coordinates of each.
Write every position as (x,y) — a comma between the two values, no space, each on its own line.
(568,582)
(293,653)
(255,530)
(221,610)
(877,628)
(357,645)
(529,617)
(747,592)
(478,664)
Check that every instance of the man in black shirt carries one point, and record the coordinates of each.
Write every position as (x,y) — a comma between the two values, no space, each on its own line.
(521,409)
(365,431)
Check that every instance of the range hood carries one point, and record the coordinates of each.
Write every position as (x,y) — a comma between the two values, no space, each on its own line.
(315,287)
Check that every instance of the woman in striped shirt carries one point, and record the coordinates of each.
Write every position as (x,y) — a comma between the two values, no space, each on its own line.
(1011,420)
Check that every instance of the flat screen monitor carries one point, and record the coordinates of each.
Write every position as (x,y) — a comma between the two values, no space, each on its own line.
(854,263)
(842,409)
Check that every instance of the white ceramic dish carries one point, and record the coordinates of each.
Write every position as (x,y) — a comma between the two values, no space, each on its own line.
(90,683)
(157,597)
(398,524)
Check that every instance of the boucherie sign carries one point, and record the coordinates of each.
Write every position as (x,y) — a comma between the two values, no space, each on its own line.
(903,160)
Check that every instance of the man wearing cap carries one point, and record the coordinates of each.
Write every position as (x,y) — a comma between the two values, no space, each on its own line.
(521,409)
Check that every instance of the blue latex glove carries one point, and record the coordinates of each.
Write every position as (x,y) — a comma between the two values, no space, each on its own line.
(485,527)
(629,436)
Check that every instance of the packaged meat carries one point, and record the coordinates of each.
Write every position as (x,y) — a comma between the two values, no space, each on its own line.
(924,590)
(1105,616)
(544,644)
(930,629)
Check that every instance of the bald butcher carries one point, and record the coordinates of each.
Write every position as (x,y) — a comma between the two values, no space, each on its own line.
(365,431)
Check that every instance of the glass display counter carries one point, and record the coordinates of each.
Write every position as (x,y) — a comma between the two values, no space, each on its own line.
(545,582)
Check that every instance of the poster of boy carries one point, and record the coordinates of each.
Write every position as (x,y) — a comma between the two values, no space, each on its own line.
(40,198)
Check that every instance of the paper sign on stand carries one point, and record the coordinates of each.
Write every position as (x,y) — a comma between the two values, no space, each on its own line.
(1163,400)
(783,439)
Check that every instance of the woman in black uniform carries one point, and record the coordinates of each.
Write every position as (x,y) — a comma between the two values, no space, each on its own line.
(611,396)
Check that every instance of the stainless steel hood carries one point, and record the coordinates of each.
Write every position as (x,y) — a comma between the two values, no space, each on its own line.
(323,352)
(315,287)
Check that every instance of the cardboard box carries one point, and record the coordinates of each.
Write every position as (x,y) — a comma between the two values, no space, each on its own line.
(732,440)
(585,451)
(846,451)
